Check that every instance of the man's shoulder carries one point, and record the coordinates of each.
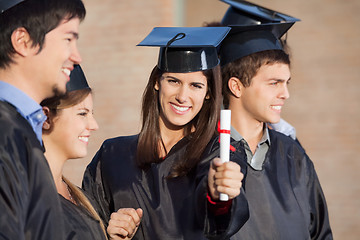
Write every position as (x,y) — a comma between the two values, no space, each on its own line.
(279,139)
(12,123)
(7,111)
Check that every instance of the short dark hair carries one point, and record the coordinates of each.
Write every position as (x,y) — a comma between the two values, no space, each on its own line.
(247,67)
(38,17)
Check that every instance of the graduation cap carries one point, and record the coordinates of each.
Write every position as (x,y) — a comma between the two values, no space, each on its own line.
(247,39)
(245,13)
(186,49)
(6,4)
(77,79)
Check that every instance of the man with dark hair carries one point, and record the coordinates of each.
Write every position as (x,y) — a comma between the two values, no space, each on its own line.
(281,185)
(37,53)
(246,13)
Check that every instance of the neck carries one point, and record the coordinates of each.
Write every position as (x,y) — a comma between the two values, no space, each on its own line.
(14,76)
(56,163)
(249,128)
(169,137)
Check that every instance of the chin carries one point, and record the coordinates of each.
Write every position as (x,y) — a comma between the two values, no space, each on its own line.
(275,121)
(58,92)
(80,154)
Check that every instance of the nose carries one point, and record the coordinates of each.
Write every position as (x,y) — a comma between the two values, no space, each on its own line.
(182,94)
(285,92)
(92,124)
(75,55)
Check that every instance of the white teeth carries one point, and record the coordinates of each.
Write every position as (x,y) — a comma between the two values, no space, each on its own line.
(66,71)
(276,107)
(84,139)
(181,109)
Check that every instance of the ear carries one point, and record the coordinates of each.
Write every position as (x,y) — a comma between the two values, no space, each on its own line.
(21,41)
(156,87)
(235,86)
(207,96)
(47,123)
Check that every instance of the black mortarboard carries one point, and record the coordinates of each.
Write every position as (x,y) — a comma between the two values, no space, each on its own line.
(186,49)
(6,4)
(245,13)
(247,39)
(77,80)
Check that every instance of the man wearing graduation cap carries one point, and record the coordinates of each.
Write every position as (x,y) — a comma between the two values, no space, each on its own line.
(247,13)
(283,191)
(38,50)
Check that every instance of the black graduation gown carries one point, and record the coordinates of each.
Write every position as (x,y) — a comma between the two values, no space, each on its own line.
(79,224)
(29,203)
(173,208)
(285,198)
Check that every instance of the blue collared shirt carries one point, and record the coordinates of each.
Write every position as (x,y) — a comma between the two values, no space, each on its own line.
(285,128)
(254,160)
(25,105)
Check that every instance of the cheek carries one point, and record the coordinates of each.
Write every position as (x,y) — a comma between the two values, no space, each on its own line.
(64,126)
(199,99)
(165,94)
(161,101)
(64,132)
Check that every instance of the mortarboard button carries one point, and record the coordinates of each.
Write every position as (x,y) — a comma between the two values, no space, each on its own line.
(186,49)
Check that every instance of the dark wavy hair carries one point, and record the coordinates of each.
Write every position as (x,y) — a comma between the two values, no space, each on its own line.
(204,123)
(38,17)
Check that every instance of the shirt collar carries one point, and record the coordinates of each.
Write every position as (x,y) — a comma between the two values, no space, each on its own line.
(237,136)
(25,105)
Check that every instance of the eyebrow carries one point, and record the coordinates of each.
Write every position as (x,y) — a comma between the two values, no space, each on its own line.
(280,80)
(169,76)
(181,80)
(84,108)
(75,34)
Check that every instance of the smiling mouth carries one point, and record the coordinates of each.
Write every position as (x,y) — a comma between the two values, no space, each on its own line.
(180,109)
(84,139)
(66,71)
(278,108)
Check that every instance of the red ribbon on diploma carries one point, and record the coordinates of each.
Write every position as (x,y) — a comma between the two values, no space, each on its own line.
(226,132)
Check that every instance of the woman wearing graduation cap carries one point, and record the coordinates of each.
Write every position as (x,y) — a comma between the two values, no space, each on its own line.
(66,134)
(160,170)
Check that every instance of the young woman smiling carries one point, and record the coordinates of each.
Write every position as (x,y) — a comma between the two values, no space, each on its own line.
(66,133)
(158,179)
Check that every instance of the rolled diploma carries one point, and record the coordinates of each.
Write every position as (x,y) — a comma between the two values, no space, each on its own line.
(225,123)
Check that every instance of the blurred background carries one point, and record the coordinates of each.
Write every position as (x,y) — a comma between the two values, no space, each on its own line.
(324,103)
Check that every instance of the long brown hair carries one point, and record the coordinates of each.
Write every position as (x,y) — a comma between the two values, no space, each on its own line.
(204,124)
(55,105)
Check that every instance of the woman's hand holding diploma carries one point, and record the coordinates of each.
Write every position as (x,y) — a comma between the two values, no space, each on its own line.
(224,178)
